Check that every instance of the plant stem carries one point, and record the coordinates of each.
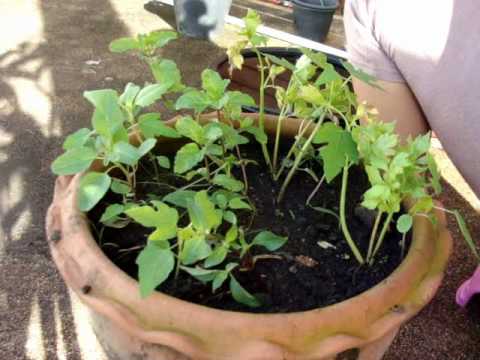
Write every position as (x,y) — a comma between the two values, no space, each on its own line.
(261,116)
(207,167)
(343,222)
(404,235)
(244,171)
(310,197)
(382,236)
(277,136)
(298,159)
(292,149)
(373,235)
(202,179)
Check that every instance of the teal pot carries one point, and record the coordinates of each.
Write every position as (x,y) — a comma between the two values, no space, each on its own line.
(201,19)
(313,18)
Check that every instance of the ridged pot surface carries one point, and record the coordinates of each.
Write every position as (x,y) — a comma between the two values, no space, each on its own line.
(163,327)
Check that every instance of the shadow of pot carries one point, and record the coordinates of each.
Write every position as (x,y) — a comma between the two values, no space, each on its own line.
(162,327)
(313,18)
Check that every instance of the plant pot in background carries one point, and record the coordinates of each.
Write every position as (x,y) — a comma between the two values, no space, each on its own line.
(247,79)
(201,19)
(314,17)
(161,327)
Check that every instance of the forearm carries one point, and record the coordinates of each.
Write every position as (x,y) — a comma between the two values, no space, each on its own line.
(395,103)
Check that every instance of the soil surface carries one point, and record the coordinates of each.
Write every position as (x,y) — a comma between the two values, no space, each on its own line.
(303,274)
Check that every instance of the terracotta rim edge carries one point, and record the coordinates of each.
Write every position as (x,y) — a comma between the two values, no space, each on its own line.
(363,318)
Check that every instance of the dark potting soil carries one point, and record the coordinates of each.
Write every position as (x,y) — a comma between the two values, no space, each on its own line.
(303,274)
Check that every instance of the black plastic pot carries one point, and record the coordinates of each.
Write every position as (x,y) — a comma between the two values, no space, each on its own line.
(314,17)
(248,79)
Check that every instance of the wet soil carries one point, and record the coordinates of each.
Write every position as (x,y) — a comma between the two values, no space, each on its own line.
(302,275)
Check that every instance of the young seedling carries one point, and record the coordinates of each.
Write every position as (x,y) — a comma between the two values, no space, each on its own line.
(198,244)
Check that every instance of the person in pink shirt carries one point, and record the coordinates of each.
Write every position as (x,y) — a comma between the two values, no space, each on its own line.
(425,55)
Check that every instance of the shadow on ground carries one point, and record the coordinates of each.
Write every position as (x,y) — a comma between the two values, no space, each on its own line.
(75,53)
(29,282)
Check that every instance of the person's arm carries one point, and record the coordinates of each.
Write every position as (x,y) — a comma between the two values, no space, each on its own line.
(395,103)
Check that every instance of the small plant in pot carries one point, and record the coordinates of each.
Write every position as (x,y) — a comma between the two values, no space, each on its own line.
(220,215)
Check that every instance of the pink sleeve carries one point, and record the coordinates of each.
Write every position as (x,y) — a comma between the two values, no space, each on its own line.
(365,51)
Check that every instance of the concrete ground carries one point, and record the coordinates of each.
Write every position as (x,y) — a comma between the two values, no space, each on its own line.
(50,52)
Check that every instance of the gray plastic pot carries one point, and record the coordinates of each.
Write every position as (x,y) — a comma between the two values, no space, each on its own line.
(314,17)
(201,19)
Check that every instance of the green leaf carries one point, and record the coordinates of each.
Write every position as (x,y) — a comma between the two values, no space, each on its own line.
(304,69)
(361,75)
(252,22)
(77,139)
(125,153)
(231,137)
(112,212)
(193,99)
(163,161)
(230,217)
(202,212)
(166,73)
(187,157)
(466,233)
(220,199)
(269,240)
(161,38)
(191,129)
(232,234)
(312,94)
(216,257)
(228,182)
(150,93)
(422,205)
(74,161)
(154,266)
(108,117)
(318,58)
(404,223)
(340,147)
(213,132)
(146,146)
(151,126)
(219,279)
(259,135)
(124,44)
(119,187)
(202,275)
(280,61)
(435,179)
(328,75)
(237,203)
(180,197)
(213,84)
(374,196)
(194,249)
(93,187)
(163,218)
(239,99)
(241,295)
(129,94)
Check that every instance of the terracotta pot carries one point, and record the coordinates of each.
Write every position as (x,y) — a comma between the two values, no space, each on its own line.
(163,327)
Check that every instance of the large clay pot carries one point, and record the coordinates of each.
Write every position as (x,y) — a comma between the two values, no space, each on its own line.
(163,327)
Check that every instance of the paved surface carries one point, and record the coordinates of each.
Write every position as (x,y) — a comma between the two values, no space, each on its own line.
(44,50)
